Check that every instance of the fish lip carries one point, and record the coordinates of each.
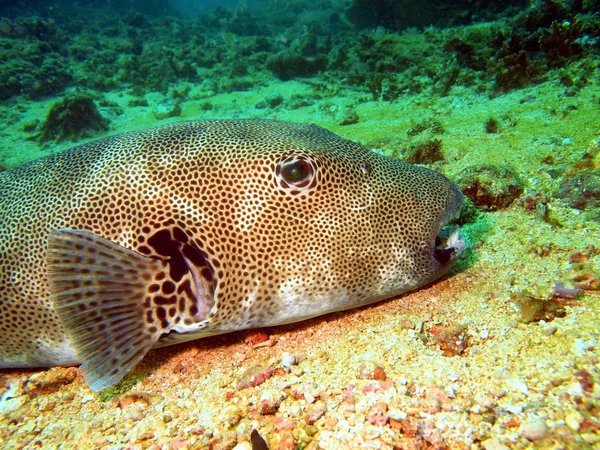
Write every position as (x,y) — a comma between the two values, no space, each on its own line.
(448,244)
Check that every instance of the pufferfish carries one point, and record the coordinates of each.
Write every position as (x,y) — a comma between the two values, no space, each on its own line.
(150,238)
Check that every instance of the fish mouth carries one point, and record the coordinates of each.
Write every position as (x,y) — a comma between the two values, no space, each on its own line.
(448,245)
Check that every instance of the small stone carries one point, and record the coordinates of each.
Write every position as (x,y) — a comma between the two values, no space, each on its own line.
(573,420)
(311,430)
(45,404)
(590,438)
(315,412)
(274,99)
(534,429)
(51,380)
(270,401)
(397,415)
(254,376)
(371,371)
(378,414)
(494,444)
(12,404)
(550,330)
(349,117)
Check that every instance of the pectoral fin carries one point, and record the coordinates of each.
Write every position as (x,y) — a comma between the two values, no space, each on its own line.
(100,290)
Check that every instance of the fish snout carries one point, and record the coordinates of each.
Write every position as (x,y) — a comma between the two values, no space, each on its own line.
(448,244)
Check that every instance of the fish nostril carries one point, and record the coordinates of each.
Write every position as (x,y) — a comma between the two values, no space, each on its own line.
(366,169)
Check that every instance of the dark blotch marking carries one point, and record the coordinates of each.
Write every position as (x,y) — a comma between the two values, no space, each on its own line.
(161,314)
(159,300)
(198,258)
(164,245)
(179,235)
(168,287)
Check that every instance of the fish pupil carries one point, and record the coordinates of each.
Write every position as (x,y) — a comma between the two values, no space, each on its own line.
(296,171)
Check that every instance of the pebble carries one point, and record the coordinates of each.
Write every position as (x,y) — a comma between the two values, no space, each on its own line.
(590,438)
(534,429)
(494,444)
(287,361)
(46,404)
(378,414)
(348,117)
(12,404)
(369,370)
(573,420)
(397,415)
(270,401)
(51,380)
(315,412)
(274,99)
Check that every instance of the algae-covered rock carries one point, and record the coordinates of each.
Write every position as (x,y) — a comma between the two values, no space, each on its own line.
(72,118)
(425,151)
(491,187)
(288,65)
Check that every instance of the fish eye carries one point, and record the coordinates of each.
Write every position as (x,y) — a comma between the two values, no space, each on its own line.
(296,173)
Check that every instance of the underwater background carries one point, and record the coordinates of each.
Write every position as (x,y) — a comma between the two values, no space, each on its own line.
(502,97)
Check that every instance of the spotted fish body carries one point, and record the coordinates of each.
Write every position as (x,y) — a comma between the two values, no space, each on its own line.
(155,237)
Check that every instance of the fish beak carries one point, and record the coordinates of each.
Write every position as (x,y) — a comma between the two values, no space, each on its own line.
(448,246)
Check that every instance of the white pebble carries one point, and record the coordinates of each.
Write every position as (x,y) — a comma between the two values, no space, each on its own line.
(518,385)
(573,420)
(515,409)
(567,141)
(287,361)
(534,429)
(590,438)
(397,415)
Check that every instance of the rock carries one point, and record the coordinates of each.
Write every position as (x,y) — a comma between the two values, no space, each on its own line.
(274,99)
(348,117)
(573,420)
(50,381)
(12,404)
(534,429)
(371,371)
(167,108)
(378,414)
(72,118)
(315,412)
(491,187)
(254,376)
(287,65)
